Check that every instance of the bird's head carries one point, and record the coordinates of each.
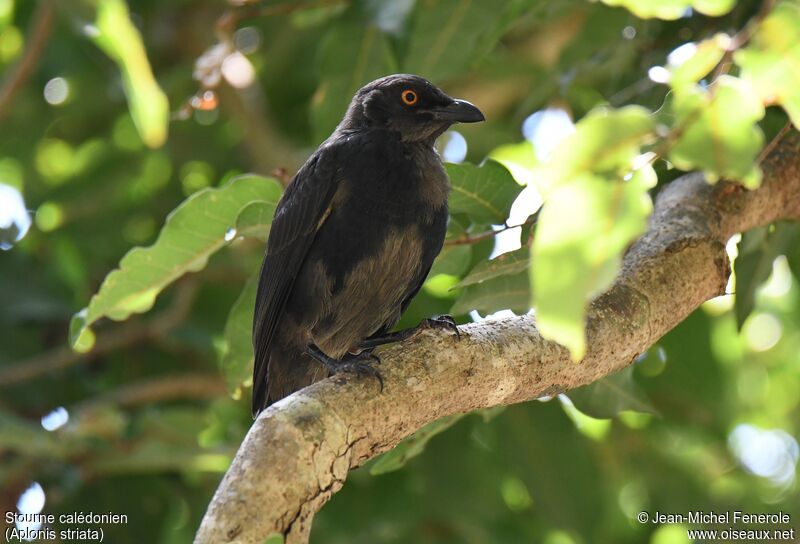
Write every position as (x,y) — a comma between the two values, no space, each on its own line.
(409,105)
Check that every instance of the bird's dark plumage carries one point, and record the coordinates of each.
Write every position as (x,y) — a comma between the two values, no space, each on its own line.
(354,235)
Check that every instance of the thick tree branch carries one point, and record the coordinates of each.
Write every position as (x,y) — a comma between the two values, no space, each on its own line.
(299,451)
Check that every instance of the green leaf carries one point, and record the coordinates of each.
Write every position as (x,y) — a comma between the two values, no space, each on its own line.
(510,291)
(706,56)
(719,133)
(519,158)
(672,9)
(758,249)
(512,262)
(446,33)
(350,55)
(6,13)
(583,229)
(236,362)
(255,219)
(485,193)
(613,394)
(606,140)
(396,458)
(191,234)
(771,62)
(119,39)
(452,260)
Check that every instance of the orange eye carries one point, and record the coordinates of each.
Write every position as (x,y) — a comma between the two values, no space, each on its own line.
(409,97)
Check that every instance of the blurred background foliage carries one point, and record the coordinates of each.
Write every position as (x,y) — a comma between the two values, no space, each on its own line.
(114,115)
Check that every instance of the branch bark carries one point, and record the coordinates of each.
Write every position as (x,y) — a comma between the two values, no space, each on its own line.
(299,451)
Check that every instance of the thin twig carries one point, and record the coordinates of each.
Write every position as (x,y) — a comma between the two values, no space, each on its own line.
(475,238)
(38,35)
(775,141)
(157,389)
(132,333)
(741,38)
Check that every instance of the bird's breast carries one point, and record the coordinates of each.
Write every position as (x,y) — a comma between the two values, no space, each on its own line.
(370,294)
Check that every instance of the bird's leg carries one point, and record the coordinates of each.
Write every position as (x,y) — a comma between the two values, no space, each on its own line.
(441,322)
(350,363)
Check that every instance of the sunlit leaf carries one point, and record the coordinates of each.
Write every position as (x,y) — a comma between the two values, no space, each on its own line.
(758,249)
(771,62)
(673,9)
(519,158)
(613,394)
(583,229)
(237,356)
(705,57)
(6,13)
(485,193)
(412,446)
(192,233)
(510,291)
(119,38)
(606,140)
(512,262)
(718,131)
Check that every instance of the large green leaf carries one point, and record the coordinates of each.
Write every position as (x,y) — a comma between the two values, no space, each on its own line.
(255,219)
(512,262)
(758,249)
(704,58)
(613,394)
(236,362)
(583,229)
(771,62)
(118,37)
(672,9)
(485,193)
(196,229)
(604,141)
(510,291)
(596,203)
(718,130)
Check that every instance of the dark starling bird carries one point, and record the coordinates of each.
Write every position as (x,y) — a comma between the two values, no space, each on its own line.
(354,237)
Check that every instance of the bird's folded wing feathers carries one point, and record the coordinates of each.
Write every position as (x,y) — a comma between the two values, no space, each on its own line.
(300,213)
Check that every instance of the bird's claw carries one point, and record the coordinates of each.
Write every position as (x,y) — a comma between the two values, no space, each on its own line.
(361,367)
(354,363)
(445,322)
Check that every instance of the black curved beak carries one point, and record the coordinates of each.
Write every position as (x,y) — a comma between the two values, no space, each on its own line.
(459,111)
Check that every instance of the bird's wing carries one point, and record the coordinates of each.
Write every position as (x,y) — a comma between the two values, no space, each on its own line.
(302,210)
